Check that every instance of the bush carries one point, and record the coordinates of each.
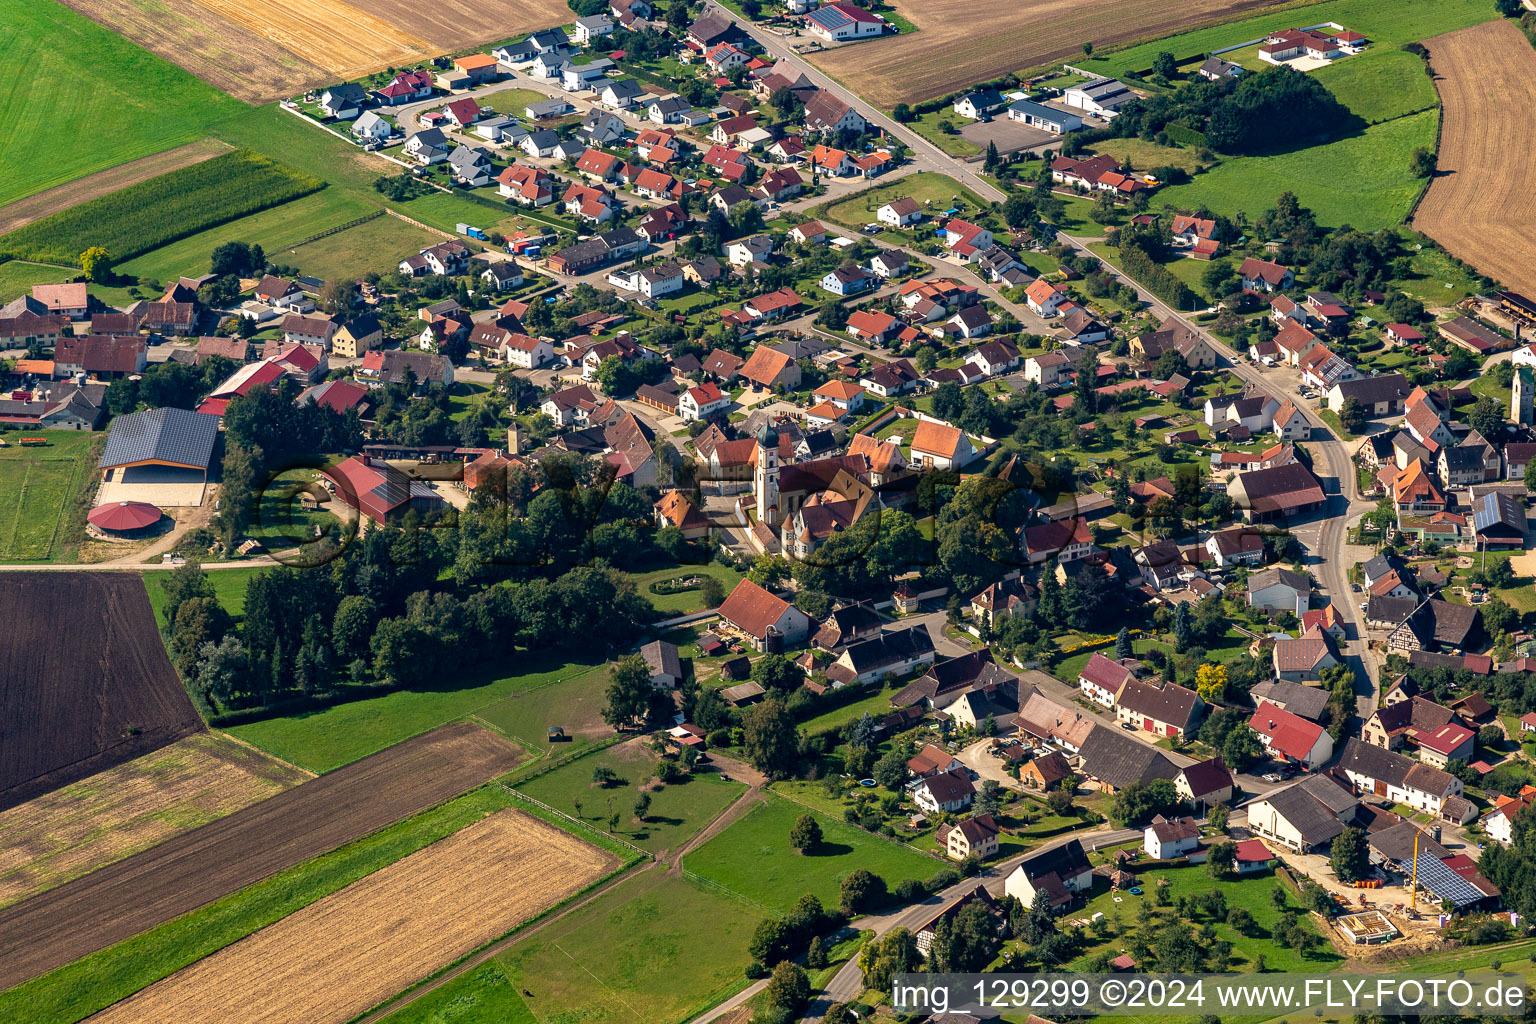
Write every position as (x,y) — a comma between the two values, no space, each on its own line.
(943,880)
(150,214)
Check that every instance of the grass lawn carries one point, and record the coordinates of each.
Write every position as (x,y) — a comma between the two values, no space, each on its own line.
(465,398)
(1362,180)
(877,704)
(70,71)
(936,192)
(18,276)
(1251,893)
(1068,669)
(1379,85)
(928,127)
(228,587)
(1141,155)
(340,734)
(511,101)
(1437,279)
(275,230)
(1387,26)
(575,704)
(753,858)
(281,522)
(678,810)
(43,491)
(376,246)
(81,988)
(653,948)
(683,601)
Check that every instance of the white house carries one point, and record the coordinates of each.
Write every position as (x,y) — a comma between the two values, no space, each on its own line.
(528,353)
(945,792)
(1102,679)
(1381,772)
(370,126)
(1061,872)
(979,104)
(1164,839)
(343,102)
(1049,119)
(898,213)
(590,29)
(699,402)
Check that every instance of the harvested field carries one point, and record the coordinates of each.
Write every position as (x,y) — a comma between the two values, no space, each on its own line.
(220,52)
(261,50)
(944,56)
(62,197)
(1478,204)
(84,680)
(181,874)
(118,812)
(357,947)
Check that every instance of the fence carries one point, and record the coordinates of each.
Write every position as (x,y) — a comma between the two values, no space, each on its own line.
(577,823)
(376,214)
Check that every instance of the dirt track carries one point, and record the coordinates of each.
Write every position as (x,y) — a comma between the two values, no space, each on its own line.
(355,948)
(945,54)
(1479,204)
(84,680)
(168,880)
(62,197)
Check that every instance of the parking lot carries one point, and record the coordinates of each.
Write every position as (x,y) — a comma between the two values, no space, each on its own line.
(1010,136)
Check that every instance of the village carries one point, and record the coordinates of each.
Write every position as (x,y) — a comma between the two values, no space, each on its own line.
(939,513)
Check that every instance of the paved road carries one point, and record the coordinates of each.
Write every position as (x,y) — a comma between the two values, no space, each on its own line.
(924,153)
(849,982)
(1327,536)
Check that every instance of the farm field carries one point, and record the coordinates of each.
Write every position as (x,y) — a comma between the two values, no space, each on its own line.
(128,808)
(275,229)
(148,889)
(1386,26)
(1477,204)
(140,217)
(78,73)
(1363,180)
(48,675)
(934,192)
(678,809)
(43,204)
(753,858)
(653,948)
(322,740)
(41,515)
(357,947)
(942,57)
(79,989)
(266,50)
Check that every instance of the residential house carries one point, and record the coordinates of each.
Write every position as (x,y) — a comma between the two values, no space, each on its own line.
(899,213)
(979,104)
(1378,396)
(1375,771)
(1299,659)
(1290,738)
(1237,546)
(1102,679)
(1279,590)
(946,792)
(343,102)
(1174,335)
(1061,872)
(1166,839)
(1204,783)
(842,21)
(940,446)
(1304,816)
(976,836)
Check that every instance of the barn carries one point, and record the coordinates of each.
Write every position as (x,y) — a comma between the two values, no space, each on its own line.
(159,456)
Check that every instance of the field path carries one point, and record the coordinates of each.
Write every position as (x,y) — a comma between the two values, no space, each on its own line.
(198,867)
(1478,204)
(61,197)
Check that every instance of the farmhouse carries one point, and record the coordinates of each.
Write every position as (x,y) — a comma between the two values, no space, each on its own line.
(1061,873)
(1171,710)
(1291,738)
(379,491)
(841,21)
(1304,816)
(1378,772)
(768,621)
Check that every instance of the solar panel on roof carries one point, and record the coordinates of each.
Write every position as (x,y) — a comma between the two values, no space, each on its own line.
(167,435)
(1442,881)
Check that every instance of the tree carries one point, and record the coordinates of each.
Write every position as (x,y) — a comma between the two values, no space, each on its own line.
(630,693)
(97,264)
(816,954)
(1123,646)
(1507,8)
(1350,857)
(1487,417)
(769,738)
(1164,65)
(1087,49)
(805,835)
(862,890)
(966,942)
(1217,817)
(1137,804)
(1218,278)
(1530,475)
(1423,160)
(1353,416)
(236,259)
(881,960)
(1222,859)
(1241,748)
(1211,681)
(642,806)
(777,674)
(891,770)
(1018,211)
(712,592)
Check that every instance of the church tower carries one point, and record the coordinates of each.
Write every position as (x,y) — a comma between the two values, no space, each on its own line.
(766,478)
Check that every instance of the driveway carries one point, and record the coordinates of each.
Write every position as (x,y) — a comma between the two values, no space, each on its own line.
(1011,136)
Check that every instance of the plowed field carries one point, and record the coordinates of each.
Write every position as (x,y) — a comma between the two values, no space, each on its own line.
(1479,204)
(961,42)
(181,874)
(84,680)
(353,949)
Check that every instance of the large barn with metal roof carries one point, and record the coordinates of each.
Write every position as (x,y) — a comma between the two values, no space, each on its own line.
(159,456)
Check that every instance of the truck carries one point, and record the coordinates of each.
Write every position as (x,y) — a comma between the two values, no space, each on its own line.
(472,231)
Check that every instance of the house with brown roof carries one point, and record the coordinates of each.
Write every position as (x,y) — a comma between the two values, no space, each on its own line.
(1174,335)
(976,835)
(1102,678)
(1297,660)
(1205,783)
(1278,494)
(1169,710)
(1167,838)
(769,368)
(1046,771)
(771,623)
(940,446)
